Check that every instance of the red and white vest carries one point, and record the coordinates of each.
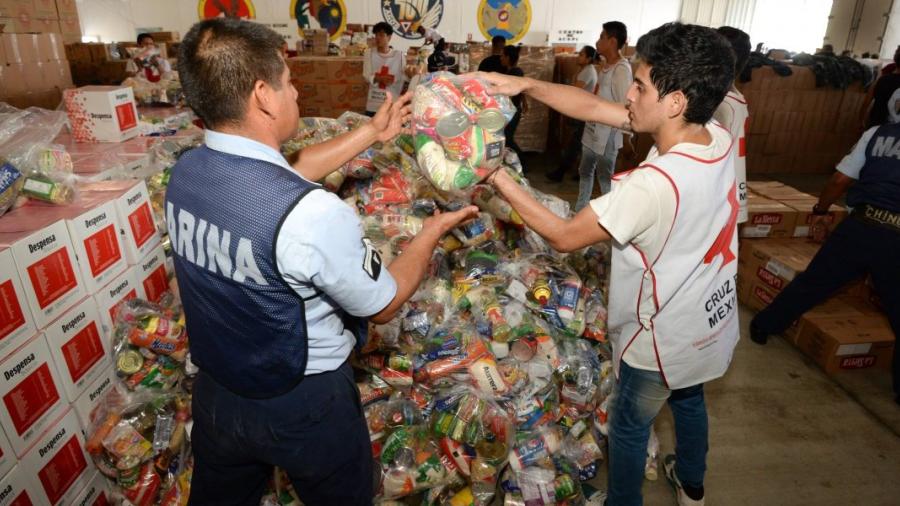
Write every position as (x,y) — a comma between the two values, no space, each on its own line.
(693,320)
(738,128)
(385,65)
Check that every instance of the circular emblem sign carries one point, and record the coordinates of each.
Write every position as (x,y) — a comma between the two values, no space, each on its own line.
(329,15)
(406,16)
(226,8)
(508,18)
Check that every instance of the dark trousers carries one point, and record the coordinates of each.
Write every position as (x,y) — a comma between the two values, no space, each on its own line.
(510,132)
(855,248)
(572,148)
(316,433)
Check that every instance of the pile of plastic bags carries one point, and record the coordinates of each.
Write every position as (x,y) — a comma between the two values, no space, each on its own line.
(492,381)
(139,436)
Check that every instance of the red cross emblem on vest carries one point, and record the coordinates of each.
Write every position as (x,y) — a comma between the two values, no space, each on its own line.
(387,77)
(722,244)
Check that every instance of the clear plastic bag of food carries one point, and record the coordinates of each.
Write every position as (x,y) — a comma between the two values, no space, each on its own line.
(458,128)
(412,461)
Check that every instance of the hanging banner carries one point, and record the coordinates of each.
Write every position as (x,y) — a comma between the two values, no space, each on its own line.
(329,15)
(510,19)
(406,16)
(226,8)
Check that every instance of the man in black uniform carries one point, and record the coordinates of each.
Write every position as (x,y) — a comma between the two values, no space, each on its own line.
(867,242)
(492,63)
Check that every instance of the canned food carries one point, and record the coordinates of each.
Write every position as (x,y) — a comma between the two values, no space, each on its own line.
(400,362)
(129,362)
(564,487)
(128,471)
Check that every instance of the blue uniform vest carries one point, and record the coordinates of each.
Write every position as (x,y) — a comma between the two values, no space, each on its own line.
(246,325)
(879,179)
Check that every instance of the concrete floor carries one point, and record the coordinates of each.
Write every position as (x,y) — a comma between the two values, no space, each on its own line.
(782,432)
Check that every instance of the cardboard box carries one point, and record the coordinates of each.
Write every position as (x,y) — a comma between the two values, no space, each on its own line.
(102,113)
(345,70)
(94,494)
(351,94)
(314,94)
(768,218)
(19,47)
(45,9)
(70,28)
(17,490)
(7,456)
(137,224)
(32,394)
(152,275)
(844,343)
(16,320)
(805,216)
(89,407)
(48,26)
(79,346)
(66,8)
(122,288)
(170,36)
(49,47)
(306,69)
(840,306)
(45,259)
(58,463)
(95,231)
(22,9)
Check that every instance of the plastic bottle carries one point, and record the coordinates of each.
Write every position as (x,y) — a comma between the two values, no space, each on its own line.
(534,449)
(540,290)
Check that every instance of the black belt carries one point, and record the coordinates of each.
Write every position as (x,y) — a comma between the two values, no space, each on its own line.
(878,216)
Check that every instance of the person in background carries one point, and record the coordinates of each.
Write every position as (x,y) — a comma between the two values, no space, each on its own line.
(874,110)
(734,115)
(586,80)
(284,49)
(147,62)
(601,143)
(827,50)
(673,319)
(276,278)
(384,68)
(867,242)
(509,59)
(492,63)
(439,59)
(890,67)
(430,35)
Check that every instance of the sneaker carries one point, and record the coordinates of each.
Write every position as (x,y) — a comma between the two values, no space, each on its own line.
(681,497)
(758,335)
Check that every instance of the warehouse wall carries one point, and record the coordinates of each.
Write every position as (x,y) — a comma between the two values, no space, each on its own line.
(859,25)
(116,20)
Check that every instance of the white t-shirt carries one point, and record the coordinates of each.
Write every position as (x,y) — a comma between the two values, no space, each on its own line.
(392,64)
(588,76)
(131,66)
(851,165)
(612,84)
(640,209)
(321,254)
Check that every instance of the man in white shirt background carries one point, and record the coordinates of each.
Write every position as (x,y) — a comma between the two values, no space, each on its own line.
(734,115)
(601,143)
(384,68)
(147,62)
(673,321)
(586,80)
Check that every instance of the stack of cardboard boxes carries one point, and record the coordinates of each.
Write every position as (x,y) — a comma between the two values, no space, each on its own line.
(64,270)
(848,331)
(41,16)
(33,69)
(329,86)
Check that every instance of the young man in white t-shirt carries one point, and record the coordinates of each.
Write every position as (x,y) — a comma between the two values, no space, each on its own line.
(586,80)
(601,143)
(147,63)
(384,68)
(734,115)
(673,320)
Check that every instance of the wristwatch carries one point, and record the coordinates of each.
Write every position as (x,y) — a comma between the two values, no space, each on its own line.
(818,211)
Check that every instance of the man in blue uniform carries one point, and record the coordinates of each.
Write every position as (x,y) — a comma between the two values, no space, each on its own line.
(275,277)
(865,243)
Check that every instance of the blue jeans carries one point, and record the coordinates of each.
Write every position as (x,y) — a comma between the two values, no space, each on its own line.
(316,433)
(637,399)
(603,165)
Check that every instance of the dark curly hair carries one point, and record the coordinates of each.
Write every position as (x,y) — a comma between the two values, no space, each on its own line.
(740,44)
(692,59)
